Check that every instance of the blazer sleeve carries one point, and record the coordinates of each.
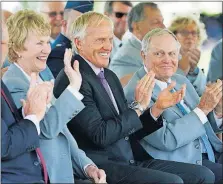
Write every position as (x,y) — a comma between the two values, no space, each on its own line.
(198,80)
(17,139)
(78,157)
(59,114)
(177,133)
(103,132)
(213,123)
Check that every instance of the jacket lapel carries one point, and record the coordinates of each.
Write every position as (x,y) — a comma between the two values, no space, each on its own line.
(87,70)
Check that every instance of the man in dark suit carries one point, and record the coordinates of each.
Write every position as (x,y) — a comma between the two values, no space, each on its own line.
(19,137)
(72,10)
(107,129)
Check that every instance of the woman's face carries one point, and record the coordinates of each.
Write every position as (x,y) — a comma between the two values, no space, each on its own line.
(34,57)
(188,37)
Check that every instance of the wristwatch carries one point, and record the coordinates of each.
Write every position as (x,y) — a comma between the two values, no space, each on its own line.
(137,106)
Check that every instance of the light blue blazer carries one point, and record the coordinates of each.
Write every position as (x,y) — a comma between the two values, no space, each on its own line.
(198,80)
(127,59)
(60,150)
(178,139)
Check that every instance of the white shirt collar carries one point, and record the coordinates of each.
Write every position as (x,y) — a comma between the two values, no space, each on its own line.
(26,75)
(94,68)
(161,84)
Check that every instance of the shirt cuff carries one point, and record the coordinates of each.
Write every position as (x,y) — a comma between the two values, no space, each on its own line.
(34,119)
(150,110)
(76,93)
(217,120)
(201,115)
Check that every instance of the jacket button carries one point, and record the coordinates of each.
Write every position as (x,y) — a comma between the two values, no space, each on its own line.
(197,146)
(131,161)
(126,138)
(198,162)
(36,163)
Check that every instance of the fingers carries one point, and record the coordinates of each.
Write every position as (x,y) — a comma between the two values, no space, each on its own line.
(33,80)
(102,176)
(67,57)
(23,102)
(217,87)
(76,66)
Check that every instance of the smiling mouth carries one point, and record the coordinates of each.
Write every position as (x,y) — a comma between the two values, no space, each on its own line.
(104,54)
(42,58)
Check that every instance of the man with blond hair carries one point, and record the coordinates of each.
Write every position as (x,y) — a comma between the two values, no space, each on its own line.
(107,129)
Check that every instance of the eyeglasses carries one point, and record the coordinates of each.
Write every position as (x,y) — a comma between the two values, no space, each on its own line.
(185,33)
(54,13)
(120,14)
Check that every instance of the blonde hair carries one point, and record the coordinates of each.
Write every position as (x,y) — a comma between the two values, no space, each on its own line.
(181,22)
(156,32)
(19,25)
(80,25)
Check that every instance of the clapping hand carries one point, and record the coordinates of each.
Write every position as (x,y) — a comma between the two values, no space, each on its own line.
(144,89)
(73,74)
(168,98)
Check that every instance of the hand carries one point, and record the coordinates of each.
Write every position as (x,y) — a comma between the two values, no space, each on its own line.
(73,74)
(98,175)
(211,97)
(144,89)
(194,57)
(167,99)
(218,109)
(189,60)
(38,97)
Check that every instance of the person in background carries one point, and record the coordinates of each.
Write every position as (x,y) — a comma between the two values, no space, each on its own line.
(29,37)
(215,66)
(72,10)
(190,33)
(187,134)
(142,18)
(20,136)
(118,11)
(107,129)
(54,11)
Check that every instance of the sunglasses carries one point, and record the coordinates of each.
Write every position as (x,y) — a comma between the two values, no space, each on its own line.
(120,14)
(54,13)
(185,33)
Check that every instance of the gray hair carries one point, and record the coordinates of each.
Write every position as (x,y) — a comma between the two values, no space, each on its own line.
(137,13)
(80,25)
(109,5)
(156,32)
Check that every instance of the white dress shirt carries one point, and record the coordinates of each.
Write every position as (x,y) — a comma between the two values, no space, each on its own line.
(97,71)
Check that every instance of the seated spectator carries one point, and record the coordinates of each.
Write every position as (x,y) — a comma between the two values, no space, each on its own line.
(54,11)
(72,10)
(215,66)
(117,11)
(190,33)
(29,36)
(142,18)
(187,134)
(19,136)
(107,129)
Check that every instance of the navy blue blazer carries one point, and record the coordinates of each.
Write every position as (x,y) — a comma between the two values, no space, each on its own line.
(19,139)
(55,59)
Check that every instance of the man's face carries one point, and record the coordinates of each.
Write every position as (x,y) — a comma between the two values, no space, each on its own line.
(54,11)
(4,42)
(162,56)
(96,46)
(119,18)
(152,19)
